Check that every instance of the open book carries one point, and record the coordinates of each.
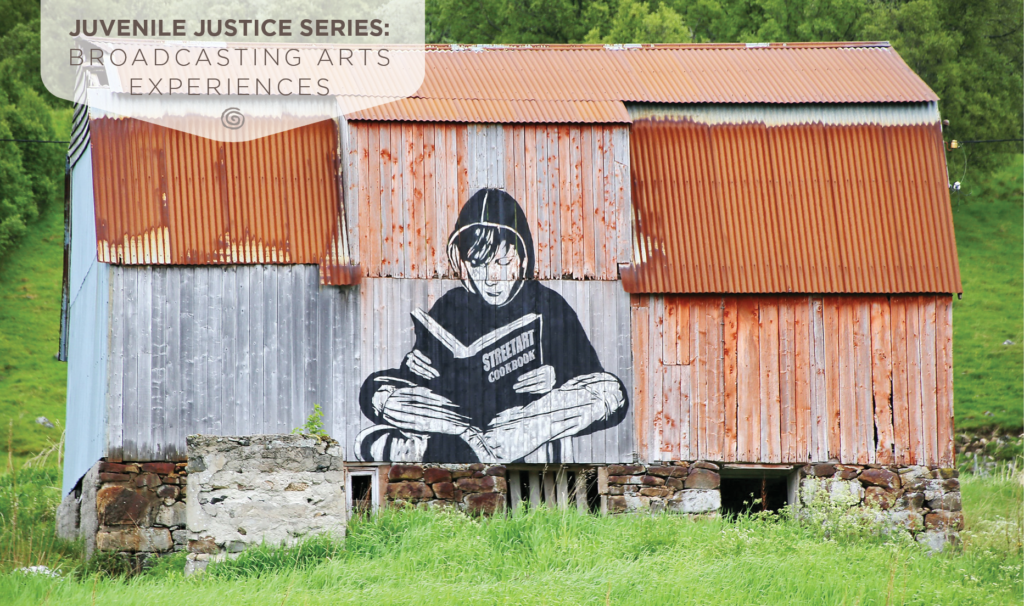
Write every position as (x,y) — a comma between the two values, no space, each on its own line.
(486,369)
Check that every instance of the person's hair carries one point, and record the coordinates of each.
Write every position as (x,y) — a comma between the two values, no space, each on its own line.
(479,244)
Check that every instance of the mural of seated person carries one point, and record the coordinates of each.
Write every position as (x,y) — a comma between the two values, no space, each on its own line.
(501,367)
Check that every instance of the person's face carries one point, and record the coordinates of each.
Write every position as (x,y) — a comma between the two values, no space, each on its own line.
(495,280)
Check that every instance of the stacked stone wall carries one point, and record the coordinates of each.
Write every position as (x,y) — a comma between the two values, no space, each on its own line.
(924,500)
(678,487)
(474,489)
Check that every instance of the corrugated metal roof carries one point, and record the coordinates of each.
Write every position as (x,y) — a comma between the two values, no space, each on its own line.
(165,197)
(885,114)
(687,73)
(496,110)
(747,208)
(546,83)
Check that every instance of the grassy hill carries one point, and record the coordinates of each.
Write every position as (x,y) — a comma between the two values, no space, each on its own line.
(988,323)
(988,374)
(33,382)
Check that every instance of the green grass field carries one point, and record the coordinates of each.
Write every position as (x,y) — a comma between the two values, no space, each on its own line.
(988,374)
(546,557)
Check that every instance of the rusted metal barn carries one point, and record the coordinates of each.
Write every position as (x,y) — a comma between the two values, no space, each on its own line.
(735,254)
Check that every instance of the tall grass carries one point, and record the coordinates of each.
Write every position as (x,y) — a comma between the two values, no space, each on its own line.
(554,557)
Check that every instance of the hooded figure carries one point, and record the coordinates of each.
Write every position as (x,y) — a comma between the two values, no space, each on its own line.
(501,366)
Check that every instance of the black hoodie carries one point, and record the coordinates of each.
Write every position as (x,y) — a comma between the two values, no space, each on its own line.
(561,343)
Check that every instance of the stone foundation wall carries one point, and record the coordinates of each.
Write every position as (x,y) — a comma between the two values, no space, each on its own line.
(270,488)
(136,509)
(475,489)
(680,487)
(924,500)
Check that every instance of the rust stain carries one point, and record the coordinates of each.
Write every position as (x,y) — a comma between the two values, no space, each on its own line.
(166,197)
(745,208)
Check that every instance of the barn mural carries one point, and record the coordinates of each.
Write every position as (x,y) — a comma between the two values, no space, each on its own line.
(501,368)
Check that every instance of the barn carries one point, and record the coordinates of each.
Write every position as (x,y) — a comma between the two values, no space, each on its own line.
(636,277)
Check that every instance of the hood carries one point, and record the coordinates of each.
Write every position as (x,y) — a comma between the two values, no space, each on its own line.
(493,207)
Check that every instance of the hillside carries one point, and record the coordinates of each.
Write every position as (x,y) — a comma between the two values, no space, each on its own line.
(988,323)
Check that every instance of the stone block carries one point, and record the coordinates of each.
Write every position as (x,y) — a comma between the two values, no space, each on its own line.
(845,492)
(296,487)
(67,517)
(933,541)
(171,516)
(135,539)
(434,475)
(947,473)
(616,490)
(497,470)
(706,465)
(674,483)
(108,467)
(880,497)
(194,565)
(695,501)
(616,504)
(652,481)
(118,505)
(951,484)
(168,492)
(179,537)
(484,484)
(880,477)
(405,472)
(910,520)
(444,490)
(910,500)
(485,503)
(114,477)
(847,472)
(148,480)
(132,468)
(158,468)
(637,503)
(462,473)
(621,480)
(624,470)
(949,502)
(944,520)
(651,491)
(477,467)
(409,490)
(702,479)
(668,471)
(823,470)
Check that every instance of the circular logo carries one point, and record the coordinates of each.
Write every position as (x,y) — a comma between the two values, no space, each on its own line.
(232,118)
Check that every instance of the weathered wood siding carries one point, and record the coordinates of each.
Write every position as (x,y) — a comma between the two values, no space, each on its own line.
(790,379)
(239,350)
(386,336)
(234,350)
(408,181)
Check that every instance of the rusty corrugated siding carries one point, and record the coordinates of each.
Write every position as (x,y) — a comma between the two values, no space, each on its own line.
(689,73)
(507,111)
(745,208)
(166,197)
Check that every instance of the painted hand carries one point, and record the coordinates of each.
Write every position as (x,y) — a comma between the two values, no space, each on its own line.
(539,381)
(420,410)
(420,365)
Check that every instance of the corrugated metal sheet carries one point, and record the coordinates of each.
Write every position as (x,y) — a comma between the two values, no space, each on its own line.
(537,83)
(746,208)
(409,180)
(833,114)
(508,111)
(688,73)
(165,197)
(794,379)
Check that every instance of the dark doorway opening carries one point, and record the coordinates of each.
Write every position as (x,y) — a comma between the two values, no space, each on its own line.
(754,491)
(362,493)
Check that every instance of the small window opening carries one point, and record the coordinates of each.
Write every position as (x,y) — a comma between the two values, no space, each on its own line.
(362,492)
(755,490)
(559,487)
